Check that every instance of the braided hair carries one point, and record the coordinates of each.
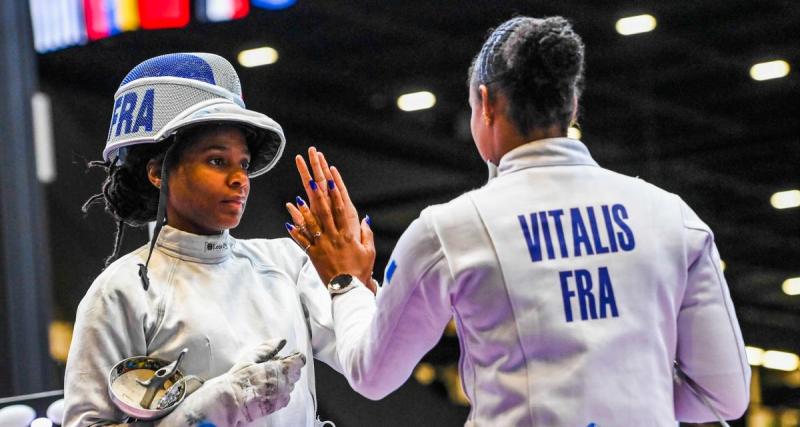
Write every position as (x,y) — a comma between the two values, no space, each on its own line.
(538,64)
(127,193)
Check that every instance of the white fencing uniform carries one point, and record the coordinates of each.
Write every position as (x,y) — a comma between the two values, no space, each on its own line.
(215,295)
(573,289)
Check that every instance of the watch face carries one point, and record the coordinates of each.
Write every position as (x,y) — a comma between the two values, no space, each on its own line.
(340,282)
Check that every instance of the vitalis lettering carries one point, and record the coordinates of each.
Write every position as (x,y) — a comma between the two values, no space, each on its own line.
(593,231)
(546,229)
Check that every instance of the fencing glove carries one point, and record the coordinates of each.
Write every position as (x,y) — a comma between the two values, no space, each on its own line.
(258,384)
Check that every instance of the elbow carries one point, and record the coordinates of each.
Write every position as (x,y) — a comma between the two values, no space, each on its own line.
(729,396)
(367,376)
(690,409)
(736,405)
(739,399)
(370,389)
(372,383)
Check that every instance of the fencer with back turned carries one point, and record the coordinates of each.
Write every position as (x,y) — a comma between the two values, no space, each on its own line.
(574,289)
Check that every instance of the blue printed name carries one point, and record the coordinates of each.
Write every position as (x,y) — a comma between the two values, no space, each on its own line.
(577,232)
(131,114)
(592,234)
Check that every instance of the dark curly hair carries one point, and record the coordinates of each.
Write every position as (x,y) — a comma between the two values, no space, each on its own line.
(538,64)
(127,194)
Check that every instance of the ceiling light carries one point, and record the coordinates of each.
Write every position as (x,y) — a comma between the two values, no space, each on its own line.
(574,133)
(791,286)
(780,360)
(755,355)
(785,199)
(416,101)
(636,24)
(257,57)
(769,70)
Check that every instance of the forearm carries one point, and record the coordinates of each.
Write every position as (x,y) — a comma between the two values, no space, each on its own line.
(359,354)
(711,352)
(214,402)
(710,346)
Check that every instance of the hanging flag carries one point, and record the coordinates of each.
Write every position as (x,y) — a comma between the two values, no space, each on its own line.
(273,4)
(57,24)
(154,14)
(98,25)
(124,15)
(109,8)
(221,10)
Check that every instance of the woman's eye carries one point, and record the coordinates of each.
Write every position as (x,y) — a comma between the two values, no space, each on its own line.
(246,164)
(216,162)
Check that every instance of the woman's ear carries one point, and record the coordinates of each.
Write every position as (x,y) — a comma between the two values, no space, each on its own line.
(486,105)
(154,173)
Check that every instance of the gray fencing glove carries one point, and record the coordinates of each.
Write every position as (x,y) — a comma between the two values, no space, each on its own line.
(257,385)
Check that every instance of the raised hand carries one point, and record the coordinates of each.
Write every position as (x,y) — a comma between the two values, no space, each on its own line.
(328,228)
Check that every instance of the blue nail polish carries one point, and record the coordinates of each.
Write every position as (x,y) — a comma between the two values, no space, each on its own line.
(300,201)
(312,184)
(289,227)
(369,220)
(331,184)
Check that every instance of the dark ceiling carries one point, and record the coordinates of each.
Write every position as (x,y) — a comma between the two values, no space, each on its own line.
(675,107)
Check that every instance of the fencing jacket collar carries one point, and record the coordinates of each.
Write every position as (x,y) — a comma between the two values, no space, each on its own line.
(212,249)
(545,152)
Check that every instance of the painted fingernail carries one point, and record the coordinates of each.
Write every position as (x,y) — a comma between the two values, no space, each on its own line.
(331,184)
(300,201)
(312,184)
(369,220)
(289,227)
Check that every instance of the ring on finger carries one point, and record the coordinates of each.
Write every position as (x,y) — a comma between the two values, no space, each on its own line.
(306,248)
(317,235)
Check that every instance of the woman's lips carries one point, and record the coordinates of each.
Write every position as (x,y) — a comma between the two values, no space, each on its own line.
(234,202)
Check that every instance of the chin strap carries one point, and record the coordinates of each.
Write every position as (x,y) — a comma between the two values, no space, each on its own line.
(161,214)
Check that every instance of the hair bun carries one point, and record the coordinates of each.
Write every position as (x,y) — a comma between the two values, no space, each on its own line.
(546,51)
(560,48)
(541,68)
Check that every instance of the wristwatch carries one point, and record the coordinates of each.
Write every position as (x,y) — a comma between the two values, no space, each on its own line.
(341,284)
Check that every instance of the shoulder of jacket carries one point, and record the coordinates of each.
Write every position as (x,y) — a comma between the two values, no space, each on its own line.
(457,207)
(120,278)
(689,218)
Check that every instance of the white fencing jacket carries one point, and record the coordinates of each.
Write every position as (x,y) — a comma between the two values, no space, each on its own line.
(215,295)
(573,289)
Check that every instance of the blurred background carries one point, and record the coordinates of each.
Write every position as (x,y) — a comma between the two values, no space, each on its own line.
(697,97)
